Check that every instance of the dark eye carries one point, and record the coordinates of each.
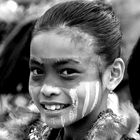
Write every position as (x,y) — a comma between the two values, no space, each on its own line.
(69,73)
(37,73)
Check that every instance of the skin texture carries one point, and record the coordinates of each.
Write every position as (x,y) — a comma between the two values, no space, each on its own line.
(62,73)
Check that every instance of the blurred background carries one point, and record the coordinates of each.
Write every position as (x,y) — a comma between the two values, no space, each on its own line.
(17,18)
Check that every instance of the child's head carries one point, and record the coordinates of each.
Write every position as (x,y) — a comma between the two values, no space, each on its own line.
(74,61)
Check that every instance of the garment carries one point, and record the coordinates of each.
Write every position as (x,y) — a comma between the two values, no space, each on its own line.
(107,127)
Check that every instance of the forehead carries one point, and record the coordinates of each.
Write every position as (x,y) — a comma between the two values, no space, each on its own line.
(53,45)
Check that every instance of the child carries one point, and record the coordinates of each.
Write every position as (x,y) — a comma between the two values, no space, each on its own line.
(75,64)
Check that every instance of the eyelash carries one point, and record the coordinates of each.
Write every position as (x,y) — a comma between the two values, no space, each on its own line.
(72,75)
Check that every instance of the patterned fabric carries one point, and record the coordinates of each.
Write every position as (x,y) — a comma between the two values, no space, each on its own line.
(39,131)
(107,127)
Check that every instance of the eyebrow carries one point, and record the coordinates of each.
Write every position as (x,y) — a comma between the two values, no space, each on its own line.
(35,60)
(54,61)
(64,61)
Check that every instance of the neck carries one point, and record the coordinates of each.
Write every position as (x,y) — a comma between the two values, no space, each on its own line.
(78,130)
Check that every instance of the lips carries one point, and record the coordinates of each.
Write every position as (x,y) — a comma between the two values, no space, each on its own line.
(54,106)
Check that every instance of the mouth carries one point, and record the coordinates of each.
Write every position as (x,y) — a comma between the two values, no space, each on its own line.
(54,107)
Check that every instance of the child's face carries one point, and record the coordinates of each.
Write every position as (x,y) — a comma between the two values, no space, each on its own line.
(63,83)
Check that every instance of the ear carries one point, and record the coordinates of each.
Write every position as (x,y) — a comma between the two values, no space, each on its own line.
(114,74)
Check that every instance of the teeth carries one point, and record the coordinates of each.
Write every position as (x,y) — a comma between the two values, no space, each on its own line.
(57,106)
(54,107)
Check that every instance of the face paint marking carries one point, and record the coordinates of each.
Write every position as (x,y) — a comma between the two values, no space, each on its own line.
(72,115)
(96,96)
(47,88)
(74,97)
(62,121)
(86,103)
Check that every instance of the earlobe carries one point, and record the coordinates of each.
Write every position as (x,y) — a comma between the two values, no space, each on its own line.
(116,73)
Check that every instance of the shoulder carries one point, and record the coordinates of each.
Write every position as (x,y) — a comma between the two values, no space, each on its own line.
(112,126)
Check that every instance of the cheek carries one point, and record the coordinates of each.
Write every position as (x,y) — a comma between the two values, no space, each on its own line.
(96,93)
(88,93)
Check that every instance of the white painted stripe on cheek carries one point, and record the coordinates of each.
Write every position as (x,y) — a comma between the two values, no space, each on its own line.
(74,98)
(96,96)
(86,102)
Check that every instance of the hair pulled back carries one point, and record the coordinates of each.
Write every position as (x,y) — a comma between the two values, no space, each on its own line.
(97,19)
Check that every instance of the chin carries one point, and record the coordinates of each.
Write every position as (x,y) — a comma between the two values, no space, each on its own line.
(57,123)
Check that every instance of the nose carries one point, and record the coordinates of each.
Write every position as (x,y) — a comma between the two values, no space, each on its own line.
(49,90)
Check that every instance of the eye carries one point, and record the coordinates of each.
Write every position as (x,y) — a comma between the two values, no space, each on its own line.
(69,73)
(36,73)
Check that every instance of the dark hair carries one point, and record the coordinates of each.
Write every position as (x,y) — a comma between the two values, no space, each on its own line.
(97,19)
(133,74)
(14,59)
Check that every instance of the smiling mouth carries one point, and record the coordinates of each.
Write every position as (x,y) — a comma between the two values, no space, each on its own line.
(55,107)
